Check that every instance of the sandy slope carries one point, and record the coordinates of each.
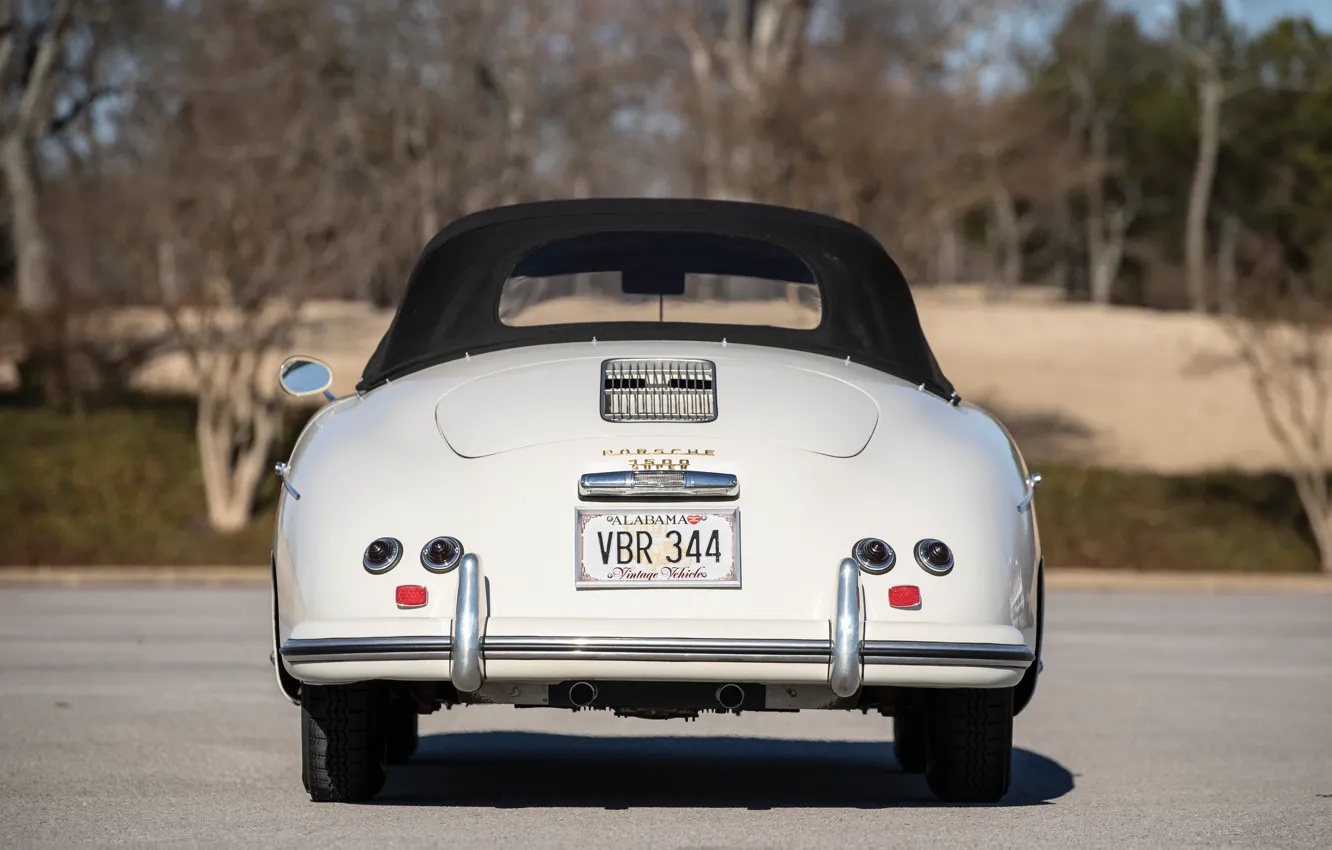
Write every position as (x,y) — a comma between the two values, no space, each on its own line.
(1114,386)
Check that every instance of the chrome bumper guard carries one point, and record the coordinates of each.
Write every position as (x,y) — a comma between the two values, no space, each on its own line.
(846,653)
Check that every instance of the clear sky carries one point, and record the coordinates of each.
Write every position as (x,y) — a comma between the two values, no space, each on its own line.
(1258,13)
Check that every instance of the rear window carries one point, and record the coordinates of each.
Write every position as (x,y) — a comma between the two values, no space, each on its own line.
(661,277)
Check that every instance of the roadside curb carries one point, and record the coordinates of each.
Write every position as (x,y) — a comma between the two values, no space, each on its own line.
(1079,578)
(1058,578)
(131,576)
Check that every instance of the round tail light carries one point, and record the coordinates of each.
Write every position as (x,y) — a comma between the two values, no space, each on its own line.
(382,555)
(441,554)
(934,556)
(874,555)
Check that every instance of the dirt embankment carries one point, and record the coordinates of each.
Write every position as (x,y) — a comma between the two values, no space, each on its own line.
(1117,387)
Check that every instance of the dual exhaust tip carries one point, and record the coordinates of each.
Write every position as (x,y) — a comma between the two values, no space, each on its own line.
(583,694)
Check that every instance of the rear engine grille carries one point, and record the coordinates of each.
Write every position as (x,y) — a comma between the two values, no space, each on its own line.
(658,391)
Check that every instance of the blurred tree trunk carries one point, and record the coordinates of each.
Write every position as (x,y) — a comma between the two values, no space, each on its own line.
(235,431)
(1227,275)
(1211,93)
(946,267)
(1008,238)
(738,78)
(21,123)
(36,292)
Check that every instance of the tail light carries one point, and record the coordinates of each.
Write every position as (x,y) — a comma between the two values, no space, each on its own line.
(441,554)
(904,596)
(874,555)
(934,556)
(411,596)
(381,555)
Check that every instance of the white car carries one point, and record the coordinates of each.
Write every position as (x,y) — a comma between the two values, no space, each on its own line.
(656,458)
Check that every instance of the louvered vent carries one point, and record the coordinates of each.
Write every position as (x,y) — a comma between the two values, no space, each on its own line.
(658,391)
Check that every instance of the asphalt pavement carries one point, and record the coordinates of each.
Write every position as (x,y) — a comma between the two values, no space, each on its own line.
(146,717)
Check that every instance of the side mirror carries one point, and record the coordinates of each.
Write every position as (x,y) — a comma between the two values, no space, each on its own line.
(302,376)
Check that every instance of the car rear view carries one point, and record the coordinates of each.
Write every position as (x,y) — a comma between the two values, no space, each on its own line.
(656,458)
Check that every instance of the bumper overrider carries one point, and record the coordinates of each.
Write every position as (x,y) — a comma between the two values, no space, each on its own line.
(845,656)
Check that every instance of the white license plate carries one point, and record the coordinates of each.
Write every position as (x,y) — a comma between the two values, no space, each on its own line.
(657,547)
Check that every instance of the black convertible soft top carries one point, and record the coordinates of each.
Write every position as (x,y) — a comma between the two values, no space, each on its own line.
(451,306)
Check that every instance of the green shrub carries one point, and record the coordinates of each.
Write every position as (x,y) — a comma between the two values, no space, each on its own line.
(118,486)
(122,486)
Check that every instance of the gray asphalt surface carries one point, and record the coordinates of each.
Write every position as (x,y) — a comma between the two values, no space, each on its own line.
(149,717)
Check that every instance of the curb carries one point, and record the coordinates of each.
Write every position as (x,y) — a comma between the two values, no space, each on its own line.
(129,576)
(1058,578)
(1079,578)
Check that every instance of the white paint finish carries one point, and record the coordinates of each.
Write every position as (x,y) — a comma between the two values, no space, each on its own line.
(750,627)
(376,465)
(553,402)
(341,672)
(924,676)
(403,626)
(943,632)
(720,672)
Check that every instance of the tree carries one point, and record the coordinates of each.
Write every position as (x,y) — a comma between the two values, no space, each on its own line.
(30,55)
(1211,43)
(1283,334)
(1099,68)
(252,191)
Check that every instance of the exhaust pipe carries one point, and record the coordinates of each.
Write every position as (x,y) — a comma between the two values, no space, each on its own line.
(582,694)
(730,696)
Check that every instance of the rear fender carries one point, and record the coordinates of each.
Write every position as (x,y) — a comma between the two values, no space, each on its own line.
(288,684)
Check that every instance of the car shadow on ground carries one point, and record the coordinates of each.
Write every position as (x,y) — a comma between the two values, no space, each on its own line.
(524,770)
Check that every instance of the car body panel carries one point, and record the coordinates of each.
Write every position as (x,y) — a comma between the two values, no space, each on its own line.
(826,452)
(493,413)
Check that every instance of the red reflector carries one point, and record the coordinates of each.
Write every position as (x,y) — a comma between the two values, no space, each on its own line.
(411,596)
(904,596)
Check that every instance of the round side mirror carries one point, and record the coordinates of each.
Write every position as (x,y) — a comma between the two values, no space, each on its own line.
(302,376)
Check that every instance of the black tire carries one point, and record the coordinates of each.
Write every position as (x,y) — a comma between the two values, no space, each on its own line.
(343,740)
(910,737)
(969,756)
(305,751)
(401,729)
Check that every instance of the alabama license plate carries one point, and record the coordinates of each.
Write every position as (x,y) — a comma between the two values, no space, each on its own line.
(651,547)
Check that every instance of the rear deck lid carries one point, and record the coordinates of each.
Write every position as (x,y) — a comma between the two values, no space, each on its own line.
(565,400)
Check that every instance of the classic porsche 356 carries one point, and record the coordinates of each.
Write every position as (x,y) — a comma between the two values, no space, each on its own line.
(657,458)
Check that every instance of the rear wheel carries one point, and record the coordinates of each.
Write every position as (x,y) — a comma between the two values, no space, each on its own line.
(969,751)
(401,728)
(342,726)
(910,737)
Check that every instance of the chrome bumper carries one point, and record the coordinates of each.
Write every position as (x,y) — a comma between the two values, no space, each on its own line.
(846,652)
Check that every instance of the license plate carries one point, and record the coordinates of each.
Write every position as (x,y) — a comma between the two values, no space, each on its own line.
(649,547)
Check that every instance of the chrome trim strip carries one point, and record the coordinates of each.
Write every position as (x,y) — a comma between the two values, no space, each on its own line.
(948,654)
(772,646)
(751,650)
(413,648)
(658,482)
(1033,480)
(845,674)
(466,652)
(655,655)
